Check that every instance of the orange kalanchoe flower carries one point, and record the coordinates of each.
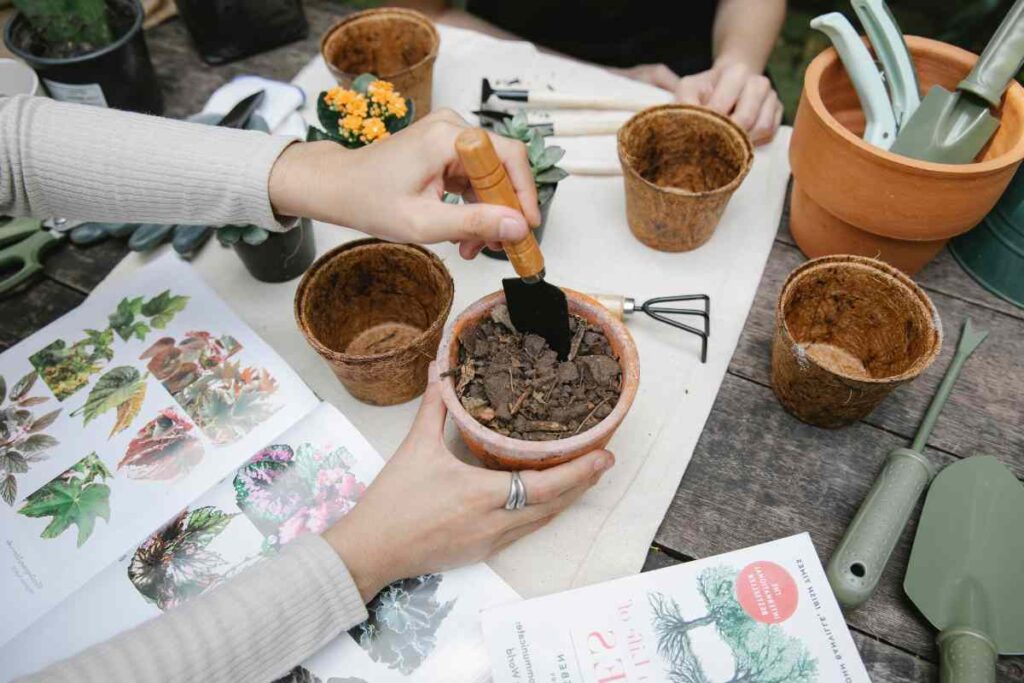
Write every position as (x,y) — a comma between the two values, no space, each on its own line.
(351,123)
(374,129)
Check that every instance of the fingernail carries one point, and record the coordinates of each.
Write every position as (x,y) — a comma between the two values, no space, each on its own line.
(511,229)
(602,463)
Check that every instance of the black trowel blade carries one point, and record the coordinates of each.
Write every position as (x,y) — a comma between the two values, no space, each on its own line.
(539,308)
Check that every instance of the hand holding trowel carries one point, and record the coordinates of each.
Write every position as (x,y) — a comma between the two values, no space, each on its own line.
(533,304)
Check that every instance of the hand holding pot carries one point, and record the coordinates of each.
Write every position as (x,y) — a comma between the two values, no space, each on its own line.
(392,189)
(428,511)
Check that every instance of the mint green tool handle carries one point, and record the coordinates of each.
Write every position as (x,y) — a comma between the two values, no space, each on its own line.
(860,558)
(1001,60)
(25,254)
(966,656)
(891,48)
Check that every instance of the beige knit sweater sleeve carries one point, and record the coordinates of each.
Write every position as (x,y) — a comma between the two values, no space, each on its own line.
(95,164)
(254,627)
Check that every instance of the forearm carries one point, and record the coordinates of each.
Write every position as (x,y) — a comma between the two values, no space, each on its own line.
(254,627)
(90,163)
(745,31)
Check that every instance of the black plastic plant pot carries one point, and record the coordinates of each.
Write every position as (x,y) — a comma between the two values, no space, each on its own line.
(119,75)
(226,30)
(283,256)
(538,232)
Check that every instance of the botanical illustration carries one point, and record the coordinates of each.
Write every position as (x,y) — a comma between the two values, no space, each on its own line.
(225,400)
(175,564)
(404,618)
(22,437)
(77,496)
(287,493)
(122,389)
(165,448)
(761,652)
(67,368)
(301,674)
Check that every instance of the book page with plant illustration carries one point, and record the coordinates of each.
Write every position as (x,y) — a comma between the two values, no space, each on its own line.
(118,415)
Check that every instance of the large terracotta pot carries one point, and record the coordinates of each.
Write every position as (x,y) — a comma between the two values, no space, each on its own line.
(502,452)
(888,194)
(396,45)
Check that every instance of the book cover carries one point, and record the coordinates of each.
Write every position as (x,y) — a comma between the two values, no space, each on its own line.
(762,614)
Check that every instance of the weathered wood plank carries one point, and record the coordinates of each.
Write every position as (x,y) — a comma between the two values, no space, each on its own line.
(759,474)
(82,268)
(985,413)
(33,307)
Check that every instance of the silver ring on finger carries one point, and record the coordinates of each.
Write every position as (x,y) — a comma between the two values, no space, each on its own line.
(516,499)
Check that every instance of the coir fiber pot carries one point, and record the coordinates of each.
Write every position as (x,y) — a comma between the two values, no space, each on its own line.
(886,194)
(680,164)
(283,256)
(538,232)
(848,330)
(375,312)
(118,75)
(397,45)
(505,453)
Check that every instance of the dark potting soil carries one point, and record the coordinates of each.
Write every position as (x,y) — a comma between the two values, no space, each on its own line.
(120,17)
(514,383)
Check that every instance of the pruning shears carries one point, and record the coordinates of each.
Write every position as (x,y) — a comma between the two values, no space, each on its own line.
(23,241)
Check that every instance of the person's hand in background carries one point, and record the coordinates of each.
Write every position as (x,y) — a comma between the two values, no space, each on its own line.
(734,89)
(393,188)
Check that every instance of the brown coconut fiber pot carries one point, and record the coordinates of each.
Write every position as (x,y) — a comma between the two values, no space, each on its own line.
(397,45)
(375,312)
(886,194)
(848,330)
(505,453)
(680,164)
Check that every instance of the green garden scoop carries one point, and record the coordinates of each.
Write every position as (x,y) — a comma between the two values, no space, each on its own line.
(966,566)
(860,558)
(953,127)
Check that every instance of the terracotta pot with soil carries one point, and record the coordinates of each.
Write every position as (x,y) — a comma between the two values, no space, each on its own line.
(375,312)
(396,45)
(680,164)
(880,193)
(516,405)
(848,330)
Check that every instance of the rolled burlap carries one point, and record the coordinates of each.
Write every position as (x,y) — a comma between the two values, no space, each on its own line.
(681,164)
(848,330)
(397,45)
(375,312)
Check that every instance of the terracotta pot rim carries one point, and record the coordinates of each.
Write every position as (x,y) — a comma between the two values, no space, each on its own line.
(812,94)
(688,110)
(542,450)
(866,263)
(331,354)
(408,14)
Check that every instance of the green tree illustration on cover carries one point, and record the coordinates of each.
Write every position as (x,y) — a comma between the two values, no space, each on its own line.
(762,653)
(22,441)
(76,496)
(404,617)
(176,564)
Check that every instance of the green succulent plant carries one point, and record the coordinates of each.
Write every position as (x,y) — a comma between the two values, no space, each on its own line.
(250,234)
(64,25)
(543,158)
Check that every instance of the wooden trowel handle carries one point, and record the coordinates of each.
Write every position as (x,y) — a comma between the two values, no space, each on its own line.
(492,186)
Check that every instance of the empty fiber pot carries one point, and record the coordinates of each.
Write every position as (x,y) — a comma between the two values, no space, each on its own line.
(502,452)
(848,330)
(375,312)
(680,165)
(396,45)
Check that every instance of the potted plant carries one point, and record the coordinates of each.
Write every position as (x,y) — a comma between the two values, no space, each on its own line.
(543,160)
(89,51)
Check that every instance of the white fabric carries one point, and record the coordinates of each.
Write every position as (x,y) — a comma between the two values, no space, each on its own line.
(588,246)
(279,99)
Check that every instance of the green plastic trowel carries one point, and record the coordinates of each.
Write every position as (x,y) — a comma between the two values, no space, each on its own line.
(953,127)
(859,559)
(966,566)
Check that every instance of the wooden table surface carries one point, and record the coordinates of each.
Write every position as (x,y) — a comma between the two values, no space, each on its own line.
(757,473)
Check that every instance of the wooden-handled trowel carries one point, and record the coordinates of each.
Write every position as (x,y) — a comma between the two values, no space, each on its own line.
(534,305)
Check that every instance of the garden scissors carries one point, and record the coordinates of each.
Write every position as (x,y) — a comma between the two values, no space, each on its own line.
(22,244)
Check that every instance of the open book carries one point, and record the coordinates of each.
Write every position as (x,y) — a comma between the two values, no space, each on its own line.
(152,446)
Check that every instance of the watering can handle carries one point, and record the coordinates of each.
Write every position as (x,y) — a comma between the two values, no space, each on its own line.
(966,656)
(491,184)
(1001,60)
(859,559)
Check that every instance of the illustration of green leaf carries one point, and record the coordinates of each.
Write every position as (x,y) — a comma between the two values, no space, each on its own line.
(9,489)
(37,443)
(111,390)
(44,421)
(32,401)
(122,320)
(128,410)
(13,462)
(23,386)
(162,308)
(73,497)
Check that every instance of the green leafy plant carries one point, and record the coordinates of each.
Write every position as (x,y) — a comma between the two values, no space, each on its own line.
(250,234)
(543,158)
(75,25)
(122,389)
(77,496)
(22,441)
